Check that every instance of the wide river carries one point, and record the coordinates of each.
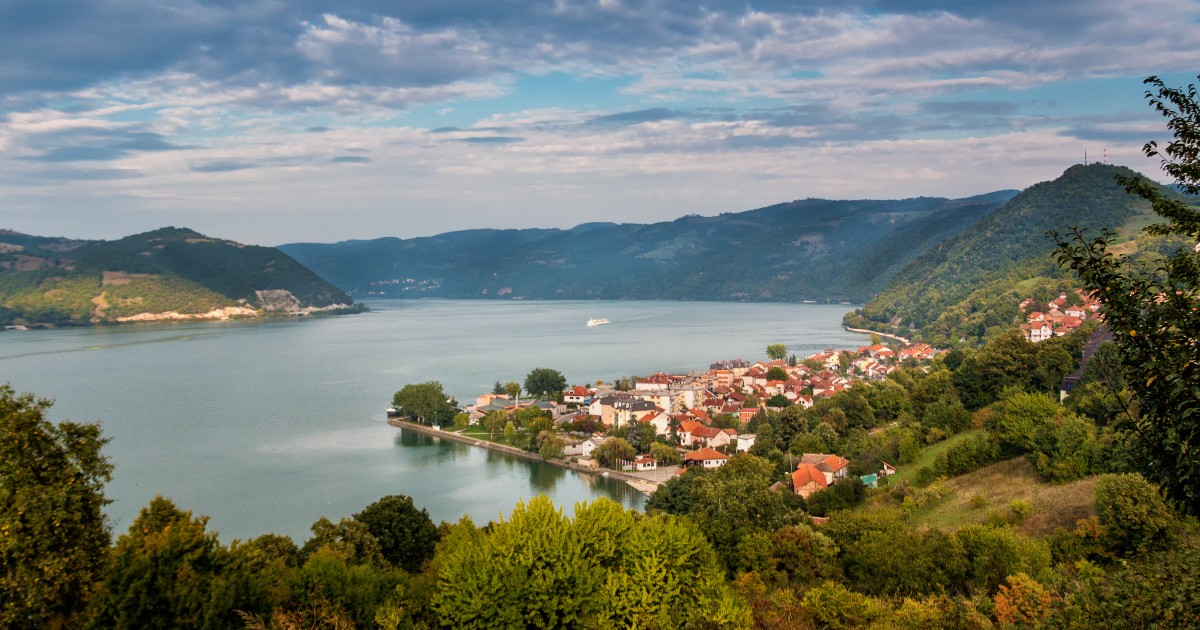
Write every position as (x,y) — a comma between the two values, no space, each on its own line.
(267,426)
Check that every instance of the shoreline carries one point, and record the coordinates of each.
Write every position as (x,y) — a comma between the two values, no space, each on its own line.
(876,332)
(645,486)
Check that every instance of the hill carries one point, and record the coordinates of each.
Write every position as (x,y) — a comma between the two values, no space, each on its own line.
(810,249)
(971,284)
(169,273)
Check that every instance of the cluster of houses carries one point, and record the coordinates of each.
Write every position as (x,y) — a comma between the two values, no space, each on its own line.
(1059,319)
(685,408)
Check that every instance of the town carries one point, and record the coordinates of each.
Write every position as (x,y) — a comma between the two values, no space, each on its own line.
(645,430)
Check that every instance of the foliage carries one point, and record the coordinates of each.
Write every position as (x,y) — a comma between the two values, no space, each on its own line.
(1151,308)
(1062,446)
(425,402)
(1022,601)
(664,454)
(603,568)
(1133,515)
(842,495)
(966,288)
(545,383)
(168,572)
(53,534)
(405,534)
(613,451)
(777,352)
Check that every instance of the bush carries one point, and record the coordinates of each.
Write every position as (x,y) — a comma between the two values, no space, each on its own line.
(1133,514)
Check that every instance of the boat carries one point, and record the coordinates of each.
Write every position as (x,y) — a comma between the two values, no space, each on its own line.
(597,322)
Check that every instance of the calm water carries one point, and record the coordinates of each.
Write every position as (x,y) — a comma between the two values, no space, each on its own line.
(265,427)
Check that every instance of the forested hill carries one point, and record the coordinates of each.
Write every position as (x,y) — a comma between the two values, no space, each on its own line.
(811,249)
(169,273)
(973,282)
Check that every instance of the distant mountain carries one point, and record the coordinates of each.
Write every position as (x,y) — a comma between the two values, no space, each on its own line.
(973,282)
(170,273)
(811,249)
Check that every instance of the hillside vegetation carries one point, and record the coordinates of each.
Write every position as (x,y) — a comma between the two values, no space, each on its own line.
(969,286)
(56,281)
(809,249)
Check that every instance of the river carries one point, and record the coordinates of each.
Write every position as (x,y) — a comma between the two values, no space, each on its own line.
(267,426)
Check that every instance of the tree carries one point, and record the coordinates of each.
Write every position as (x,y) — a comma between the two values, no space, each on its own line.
(613,451)
(545,383)
(777,351)
(497,388)
(406,535)
(1152,308)
(425,402)
(53,535)
(513,389)
(776,374)
(167,572)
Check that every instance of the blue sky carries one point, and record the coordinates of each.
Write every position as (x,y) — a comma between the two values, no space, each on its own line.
(267,121)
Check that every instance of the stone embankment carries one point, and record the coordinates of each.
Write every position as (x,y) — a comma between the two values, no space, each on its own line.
(641,484)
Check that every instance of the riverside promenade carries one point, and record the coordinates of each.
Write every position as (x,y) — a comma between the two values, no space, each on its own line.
(876,332)
(642,484)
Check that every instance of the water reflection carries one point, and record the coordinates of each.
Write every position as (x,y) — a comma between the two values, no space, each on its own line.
(545,477)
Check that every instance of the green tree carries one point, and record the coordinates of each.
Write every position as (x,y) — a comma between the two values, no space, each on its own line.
(513,389)
(1134,516)
(497,388)
(425,402)
(613,451)
(1152,308)
(545,383)
(664,454)
(53,535)
(776,374)
(777,352)
(168,572)
(406,535)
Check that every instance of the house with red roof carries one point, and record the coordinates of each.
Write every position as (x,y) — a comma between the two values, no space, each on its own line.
(807,479)
(834,467)
(705,458)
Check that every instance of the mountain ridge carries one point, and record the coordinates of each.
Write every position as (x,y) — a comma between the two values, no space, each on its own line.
(799,250)
(165,274)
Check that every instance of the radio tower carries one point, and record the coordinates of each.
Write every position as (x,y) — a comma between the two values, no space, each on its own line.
(1085,157)
(1106,155)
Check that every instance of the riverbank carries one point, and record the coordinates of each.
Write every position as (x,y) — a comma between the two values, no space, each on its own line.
(876,332)
(641,484)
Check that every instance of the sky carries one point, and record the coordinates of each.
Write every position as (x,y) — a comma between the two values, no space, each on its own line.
(277,121)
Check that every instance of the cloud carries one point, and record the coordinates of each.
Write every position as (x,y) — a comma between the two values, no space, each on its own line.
(220,166)
(350,159)
(490,139)
(632,118)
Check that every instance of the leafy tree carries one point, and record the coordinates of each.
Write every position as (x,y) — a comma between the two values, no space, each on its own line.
(53,534)
(513,389)
(777,351)
(406,535)
(425,402)
(776,374)
(351,539)
(168,572)
(1134,516)
(613,451)
(497,388)
(664,454)
(1152,309)
(545,383)
(778,400)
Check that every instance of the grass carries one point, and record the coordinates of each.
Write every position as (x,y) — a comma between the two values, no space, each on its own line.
(907,471)
(1054,505)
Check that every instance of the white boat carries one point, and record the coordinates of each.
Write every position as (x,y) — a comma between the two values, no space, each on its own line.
(597,322)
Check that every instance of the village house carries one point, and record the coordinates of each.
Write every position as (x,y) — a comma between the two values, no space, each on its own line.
(578,395)
(645,463)
(806,480)
(832,467)
(745,442)
(705,458)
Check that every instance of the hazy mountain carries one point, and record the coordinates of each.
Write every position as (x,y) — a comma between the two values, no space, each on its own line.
(811,249)
(47,280)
